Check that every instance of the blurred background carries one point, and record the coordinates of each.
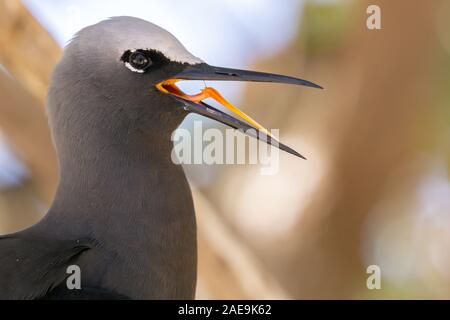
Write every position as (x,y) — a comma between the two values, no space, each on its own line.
(375,189)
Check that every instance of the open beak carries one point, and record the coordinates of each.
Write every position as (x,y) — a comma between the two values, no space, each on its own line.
(194,103)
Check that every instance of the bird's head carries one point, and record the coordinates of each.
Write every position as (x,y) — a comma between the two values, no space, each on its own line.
(123,72)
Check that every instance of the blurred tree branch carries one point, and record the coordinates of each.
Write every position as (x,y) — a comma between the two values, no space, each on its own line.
(381,88)
(392,70)
(367,121)
(27,50)
(23,122)
(28,53)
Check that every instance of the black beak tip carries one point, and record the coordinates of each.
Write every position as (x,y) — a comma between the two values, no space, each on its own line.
(299,155)
(312,85)
(290,150)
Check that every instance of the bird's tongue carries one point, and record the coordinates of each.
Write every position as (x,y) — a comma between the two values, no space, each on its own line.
(169,86)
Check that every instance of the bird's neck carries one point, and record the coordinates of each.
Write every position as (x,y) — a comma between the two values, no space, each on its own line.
(116,186)
(137,205)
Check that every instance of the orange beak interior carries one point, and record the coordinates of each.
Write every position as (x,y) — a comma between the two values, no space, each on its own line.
(170,87)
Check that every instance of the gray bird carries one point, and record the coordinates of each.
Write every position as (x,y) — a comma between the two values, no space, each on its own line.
(123,211)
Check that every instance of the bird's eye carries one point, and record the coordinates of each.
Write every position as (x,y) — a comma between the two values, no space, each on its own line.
(139,60)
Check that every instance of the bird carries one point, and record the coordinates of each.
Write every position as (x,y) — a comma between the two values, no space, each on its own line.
(123,211)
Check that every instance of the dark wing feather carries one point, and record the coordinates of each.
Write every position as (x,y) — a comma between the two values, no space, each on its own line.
(31,267)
